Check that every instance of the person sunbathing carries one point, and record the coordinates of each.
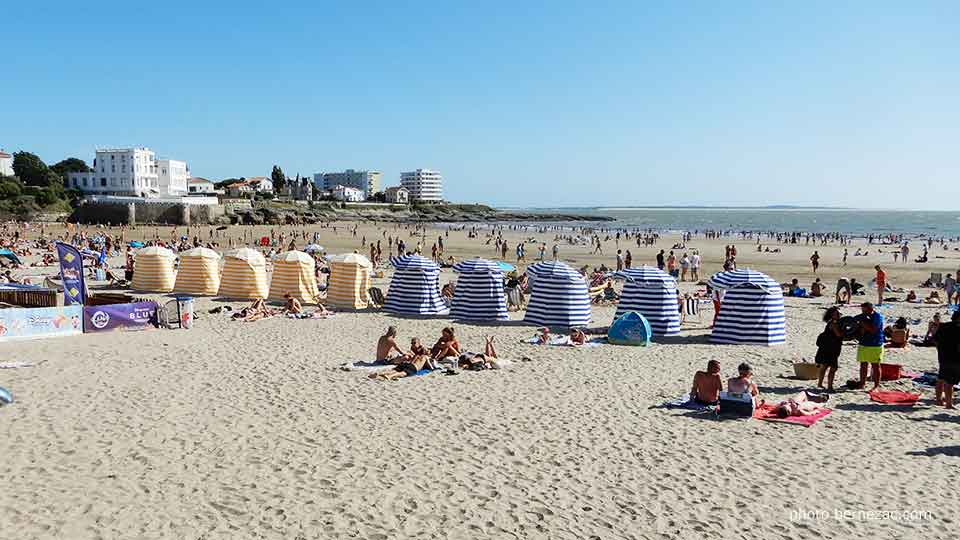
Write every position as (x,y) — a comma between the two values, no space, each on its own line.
(577,337)
(707,385)
(447,292)
(797,405)
(387,344)
(934,298)
(254,312)
(912,296)
(446,346)
(932,328)
(405,367)
(292,305)
(477,362)
(543,338)
(816,288)
(743,382)
(898,334)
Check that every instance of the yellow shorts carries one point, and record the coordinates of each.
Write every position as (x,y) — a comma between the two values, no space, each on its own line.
(869,355)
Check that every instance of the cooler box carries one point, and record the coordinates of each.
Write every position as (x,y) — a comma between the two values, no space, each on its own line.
(890,372)
(734,404)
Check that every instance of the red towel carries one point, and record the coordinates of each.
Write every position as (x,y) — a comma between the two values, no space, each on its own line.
(768,412)
(894,397)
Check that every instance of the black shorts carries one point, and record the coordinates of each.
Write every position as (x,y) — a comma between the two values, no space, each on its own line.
(950,375)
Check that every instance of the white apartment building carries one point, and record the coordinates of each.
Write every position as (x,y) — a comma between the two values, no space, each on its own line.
(347,194)
(423,185)
(366,181)
(6,164)
(120,171)
(172,176)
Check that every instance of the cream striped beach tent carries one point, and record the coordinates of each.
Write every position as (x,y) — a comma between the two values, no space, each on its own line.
(199,272)
(652,293)
(244,275)
(479,293)
(415,287)
(349,281)
(751,311)
(294,273)
(153,270)
(559,296)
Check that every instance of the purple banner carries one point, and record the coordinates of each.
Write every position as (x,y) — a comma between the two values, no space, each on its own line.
(136,316)
(71,273)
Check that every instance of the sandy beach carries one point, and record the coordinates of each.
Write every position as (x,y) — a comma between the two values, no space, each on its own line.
(251,430)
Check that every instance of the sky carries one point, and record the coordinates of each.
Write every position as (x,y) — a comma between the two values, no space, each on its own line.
(552,103)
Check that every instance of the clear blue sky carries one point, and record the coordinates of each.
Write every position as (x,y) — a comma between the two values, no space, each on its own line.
(852,103)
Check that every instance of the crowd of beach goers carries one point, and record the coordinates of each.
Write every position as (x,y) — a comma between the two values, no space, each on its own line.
(256,429)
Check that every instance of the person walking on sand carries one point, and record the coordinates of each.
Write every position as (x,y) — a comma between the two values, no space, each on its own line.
(947,339)
(950,288)
(881,284)
(695,266)
(870,347)
(556,251)
(660,262)
(845,253)
(815,261)
(619,260)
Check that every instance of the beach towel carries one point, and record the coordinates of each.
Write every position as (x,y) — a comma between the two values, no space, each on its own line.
(15,365)
(376,364)
(930,379)
(564,341)
(894,397)
(768,412)
(685,402)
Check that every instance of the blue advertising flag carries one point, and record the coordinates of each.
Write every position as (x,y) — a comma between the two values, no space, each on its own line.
(71,272)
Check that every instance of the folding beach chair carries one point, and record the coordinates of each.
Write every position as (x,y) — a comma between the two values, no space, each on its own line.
(936,279)
(691,306)
(376,297)
(514,299)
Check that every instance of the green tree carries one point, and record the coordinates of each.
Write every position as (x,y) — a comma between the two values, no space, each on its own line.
(9,188)
(70,165)
(31,169)
(278,178)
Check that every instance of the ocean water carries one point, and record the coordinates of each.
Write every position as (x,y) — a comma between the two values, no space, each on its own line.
(856,222)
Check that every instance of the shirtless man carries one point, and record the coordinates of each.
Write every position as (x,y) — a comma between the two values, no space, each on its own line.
(292,304)
(388,344)
(707,385)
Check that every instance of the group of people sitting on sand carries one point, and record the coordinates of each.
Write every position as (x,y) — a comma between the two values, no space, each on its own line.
(292,307)
(707,386)
(447,350)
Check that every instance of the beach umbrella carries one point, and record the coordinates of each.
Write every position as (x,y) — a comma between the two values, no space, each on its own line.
(244,275)
(415,287)
(6,253)
(559,296)
(479,293)
(313,248)
(651,292)
(751,311)
(294,273)
(199,272)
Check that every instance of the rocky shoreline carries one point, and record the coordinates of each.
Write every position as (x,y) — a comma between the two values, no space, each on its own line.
(447,213)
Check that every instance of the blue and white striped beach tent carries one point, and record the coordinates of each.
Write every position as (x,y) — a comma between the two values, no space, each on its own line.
(751,311)
(479,293)
(652,293)
(559,296)
(415,287)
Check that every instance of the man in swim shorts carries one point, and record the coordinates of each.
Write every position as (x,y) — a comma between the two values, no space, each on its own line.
(870,348)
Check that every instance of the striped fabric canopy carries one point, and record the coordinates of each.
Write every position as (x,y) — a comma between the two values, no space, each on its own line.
(479,294)
(349,281)
(751,311)
(652,293)
(153,270)
(559,296)
(294,273)
(735,278)
(415,287)
(199,272)
(244,275)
